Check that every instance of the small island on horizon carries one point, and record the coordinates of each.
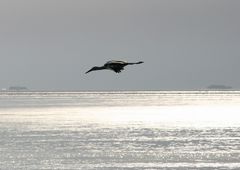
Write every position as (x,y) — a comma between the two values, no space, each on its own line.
(219,87)
(18,88)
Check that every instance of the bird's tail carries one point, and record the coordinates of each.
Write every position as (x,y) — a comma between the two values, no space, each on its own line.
(140,62)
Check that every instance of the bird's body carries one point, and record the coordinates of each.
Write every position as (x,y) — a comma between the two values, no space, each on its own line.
(116,66)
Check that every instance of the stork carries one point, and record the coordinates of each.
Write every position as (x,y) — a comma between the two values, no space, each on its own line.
(116,66)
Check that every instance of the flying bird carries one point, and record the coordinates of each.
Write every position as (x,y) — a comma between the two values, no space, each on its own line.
(116,66)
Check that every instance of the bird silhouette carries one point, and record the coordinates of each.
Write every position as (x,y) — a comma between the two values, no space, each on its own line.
(116,66)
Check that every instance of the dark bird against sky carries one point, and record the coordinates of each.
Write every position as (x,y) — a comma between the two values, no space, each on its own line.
(116,66)
(186,43)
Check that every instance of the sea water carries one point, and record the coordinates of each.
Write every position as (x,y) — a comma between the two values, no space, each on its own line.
(131,130)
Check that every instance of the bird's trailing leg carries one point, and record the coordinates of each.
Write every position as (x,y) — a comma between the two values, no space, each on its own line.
(140,62)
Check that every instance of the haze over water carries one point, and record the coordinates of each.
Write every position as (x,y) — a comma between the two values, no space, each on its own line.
(120,130)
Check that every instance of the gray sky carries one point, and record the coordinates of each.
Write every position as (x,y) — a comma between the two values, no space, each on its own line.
(186,44)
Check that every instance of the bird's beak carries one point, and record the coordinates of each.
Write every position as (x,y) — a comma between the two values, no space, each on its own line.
(89,70)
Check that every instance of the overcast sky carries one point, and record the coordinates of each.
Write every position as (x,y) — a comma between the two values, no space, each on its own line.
(185,44)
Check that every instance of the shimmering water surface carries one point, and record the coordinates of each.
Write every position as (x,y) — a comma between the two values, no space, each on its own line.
(131,130)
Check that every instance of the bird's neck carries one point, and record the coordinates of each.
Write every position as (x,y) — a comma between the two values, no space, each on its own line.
(101,68)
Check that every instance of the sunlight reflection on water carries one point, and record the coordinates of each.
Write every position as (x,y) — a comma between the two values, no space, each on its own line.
(130,130)
(160,116)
